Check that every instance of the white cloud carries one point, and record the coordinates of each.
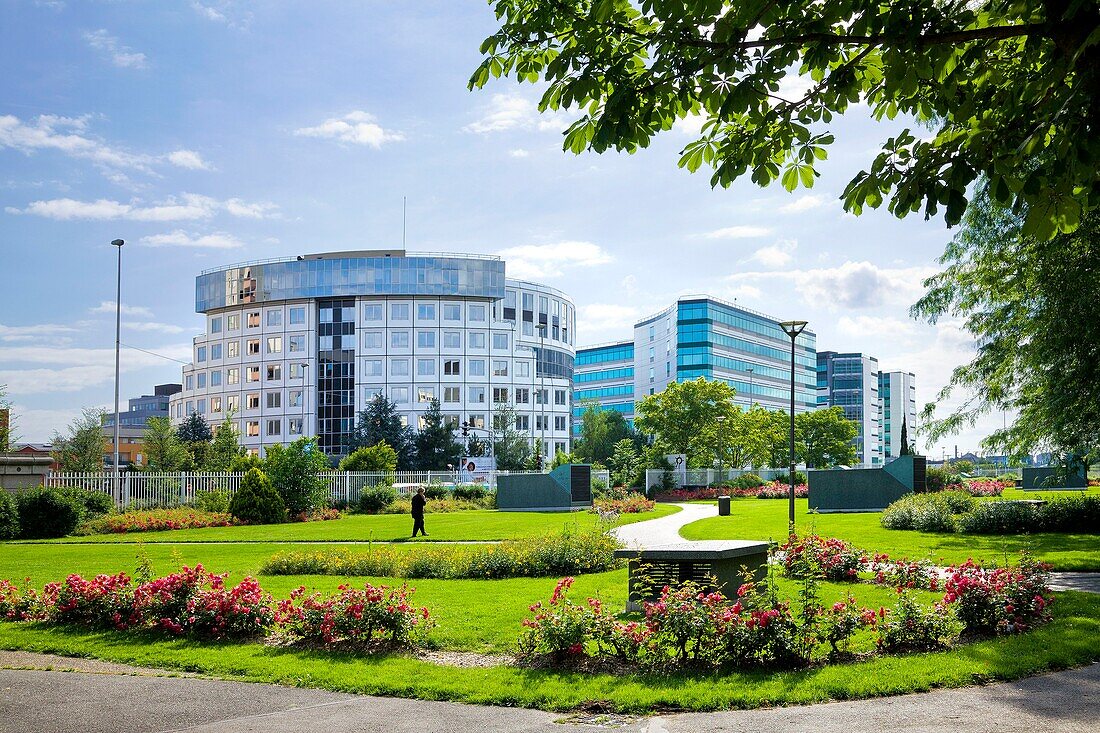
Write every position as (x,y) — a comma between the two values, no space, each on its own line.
(35,332)
(357,128)
(186,207)
(38,425)
(875,327)
(518,153)
(738,232)
(595,320)
(51,369)
(515,112)
(122,56)
(180,238)
(776,255)
(691,125)
(850,285)
(108,306)
(188,159)
(225,12)
(551,260)
(152,326)
(803,203)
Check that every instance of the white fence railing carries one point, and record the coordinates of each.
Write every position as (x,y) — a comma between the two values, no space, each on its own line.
(654,477)
(135,490)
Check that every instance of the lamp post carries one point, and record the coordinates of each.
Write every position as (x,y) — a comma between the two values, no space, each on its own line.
(304,366)
(720,447)
(118,342)
(542,390)
(750,371)
(792,329)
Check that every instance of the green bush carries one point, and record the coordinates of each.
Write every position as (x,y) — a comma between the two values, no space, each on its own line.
(937,479)
(212,501)
(94,503)
(927,512)
(403,505)
(470,492)
(257,501)
(293,470)
(1062,514)
(599,488)
(568,553)
(1071,514)
(9,516)
(436,490)
(785,478)
(45,513)
(378,457)
(374,499)
(747,481)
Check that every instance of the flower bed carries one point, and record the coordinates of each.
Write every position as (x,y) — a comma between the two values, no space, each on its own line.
(1000,600)
(155,520)
(981,487)
(633,504)
(355,614)
(772,490)
(812,556)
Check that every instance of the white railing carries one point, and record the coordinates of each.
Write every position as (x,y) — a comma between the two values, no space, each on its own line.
(704,476)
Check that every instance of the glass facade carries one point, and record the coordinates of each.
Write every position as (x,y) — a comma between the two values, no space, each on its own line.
(335,374)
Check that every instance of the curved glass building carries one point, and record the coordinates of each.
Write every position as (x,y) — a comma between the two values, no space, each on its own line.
(298,346)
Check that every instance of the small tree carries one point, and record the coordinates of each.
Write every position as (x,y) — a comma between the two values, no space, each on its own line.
(905,450)
(164,451)
(293,471)
(378,457)
(196,436)
(823,438)
(257,501)
(624,463)
(225,447)
(83,446)
(436,447)
(561,458)
(379,421)
(685,414)
(511,446)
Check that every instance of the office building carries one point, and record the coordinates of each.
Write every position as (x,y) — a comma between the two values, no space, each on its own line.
(298,346)
(898,393)
(851,381)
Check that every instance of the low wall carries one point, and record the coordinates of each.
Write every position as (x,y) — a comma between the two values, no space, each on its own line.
(20,471)
(564,489)
(861,489)
(1048,478)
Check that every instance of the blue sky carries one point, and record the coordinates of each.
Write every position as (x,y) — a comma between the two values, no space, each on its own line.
(209,132)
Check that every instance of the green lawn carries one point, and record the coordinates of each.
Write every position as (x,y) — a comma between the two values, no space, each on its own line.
(767,519)
(453,526)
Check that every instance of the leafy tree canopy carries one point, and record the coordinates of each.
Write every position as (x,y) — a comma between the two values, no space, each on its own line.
(225,448)
(83,445)
(686,414)
(1002,81)
(380,421)
(378,457)
(164,451)
(436,447)
(511,446)
(293,470)
(823,438)
(601,430)
(1030,304)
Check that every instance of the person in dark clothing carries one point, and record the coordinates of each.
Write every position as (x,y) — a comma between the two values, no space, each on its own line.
(418,502)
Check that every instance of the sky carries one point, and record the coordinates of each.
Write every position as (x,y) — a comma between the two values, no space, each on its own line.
(210,132)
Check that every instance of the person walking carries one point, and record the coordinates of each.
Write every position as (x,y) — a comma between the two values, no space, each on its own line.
(418,502)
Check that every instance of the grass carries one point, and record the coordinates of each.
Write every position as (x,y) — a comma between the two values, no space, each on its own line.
(1073,638)
(453,526)
(765,519)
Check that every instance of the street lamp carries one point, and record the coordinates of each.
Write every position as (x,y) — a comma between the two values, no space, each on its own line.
(720,447)
(750,371)
(541,327)
(118,341)
(792,329)
(304,366)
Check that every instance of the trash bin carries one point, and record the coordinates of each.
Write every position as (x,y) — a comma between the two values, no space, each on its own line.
(723,506)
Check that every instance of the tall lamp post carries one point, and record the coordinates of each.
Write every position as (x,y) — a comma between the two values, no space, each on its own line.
(792,329)
(118,342)
(543,395)
(750,371)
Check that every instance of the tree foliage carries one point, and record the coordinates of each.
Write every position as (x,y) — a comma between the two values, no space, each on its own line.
(293,470)
(378,457)
(625,464)
(746,439)
(601,430)
(1030,304)
(685,415)
(196,436)
(511,446)
(823,438)
(1001,82)
(380,421)
(225,448)
(83,445)
(436,447)
(164,451)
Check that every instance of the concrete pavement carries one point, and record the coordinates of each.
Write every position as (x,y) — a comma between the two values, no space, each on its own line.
(109,698)
(664,530)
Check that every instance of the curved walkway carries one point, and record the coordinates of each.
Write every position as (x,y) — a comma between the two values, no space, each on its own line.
(93,697)
(664,530)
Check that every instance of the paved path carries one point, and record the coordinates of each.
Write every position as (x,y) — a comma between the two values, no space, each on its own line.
(108,698)
(664,530)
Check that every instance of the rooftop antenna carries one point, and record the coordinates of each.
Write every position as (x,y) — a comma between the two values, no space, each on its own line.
(403,202)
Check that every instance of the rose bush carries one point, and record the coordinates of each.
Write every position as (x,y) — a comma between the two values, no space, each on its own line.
(1000,600)
(812,556)
(356,614)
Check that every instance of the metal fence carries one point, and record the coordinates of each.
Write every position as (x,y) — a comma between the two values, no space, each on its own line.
(654,477)
(134,490)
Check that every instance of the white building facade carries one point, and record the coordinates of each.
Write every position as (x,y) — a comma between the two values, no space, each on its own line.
(898,392)
(297,347)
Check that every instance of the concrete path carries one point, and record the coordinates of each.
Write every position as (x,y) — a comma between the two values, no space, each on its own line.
(664,530)
(108,698)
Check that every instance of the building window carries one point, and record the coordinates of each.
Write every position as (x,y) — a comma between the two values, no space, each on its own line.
(252,428)
(188,383)
(190,407)
(372,312)
(252,374)
(294,398)
(399,311)
(542,396)
(372,340)
(254,319)
(500,368)
(200,353)
(274,427)
(528,328)
(425,311)
(275,344)
(477,420)
(559,422)
(425,394)
(500,395)
(274,399)
(500,341)
(294,426)
(297,370)
(233,375)
(274,372)
(651,353)
(233,349)
(215,404)
(233,403)
(215,351)
(372,368)
(477,367)
(452,368)
(477,395)
(252,401)
(200,380)
(452,394)
(425,367)
(216,378)
(523,368)
(399,339)
(452,312)
(651,333)
(541,422)
(297,315)
(523,422)
(274,318)
(477,340)
(295,343)
(523,396)
(399,395)
(252,347)
(233,322)
(476,313)
(425,339)
(452,339)
(201,406)
(559,396)
(216,325)
(399,367)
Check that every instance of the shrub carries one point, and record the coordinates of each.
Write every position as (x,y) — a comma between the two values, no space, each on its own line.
(436,490)
(746,481)
(778,490)
(633,504)
(785,478)
(403,505)
(984,487)
(106,601)
(1071,514)
(812,556)
(216,502)
(241,611)
(1000,600)
(45,513)
(470,491)
(599,488)
(1000,517)
(378,457)
(375,499)
(937,479)
(154,520)
(904,574)
(294,472)
(9,516)
(256,501)
(927,512)
(356,615)
(911,627)
(93,503)
(20,604)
